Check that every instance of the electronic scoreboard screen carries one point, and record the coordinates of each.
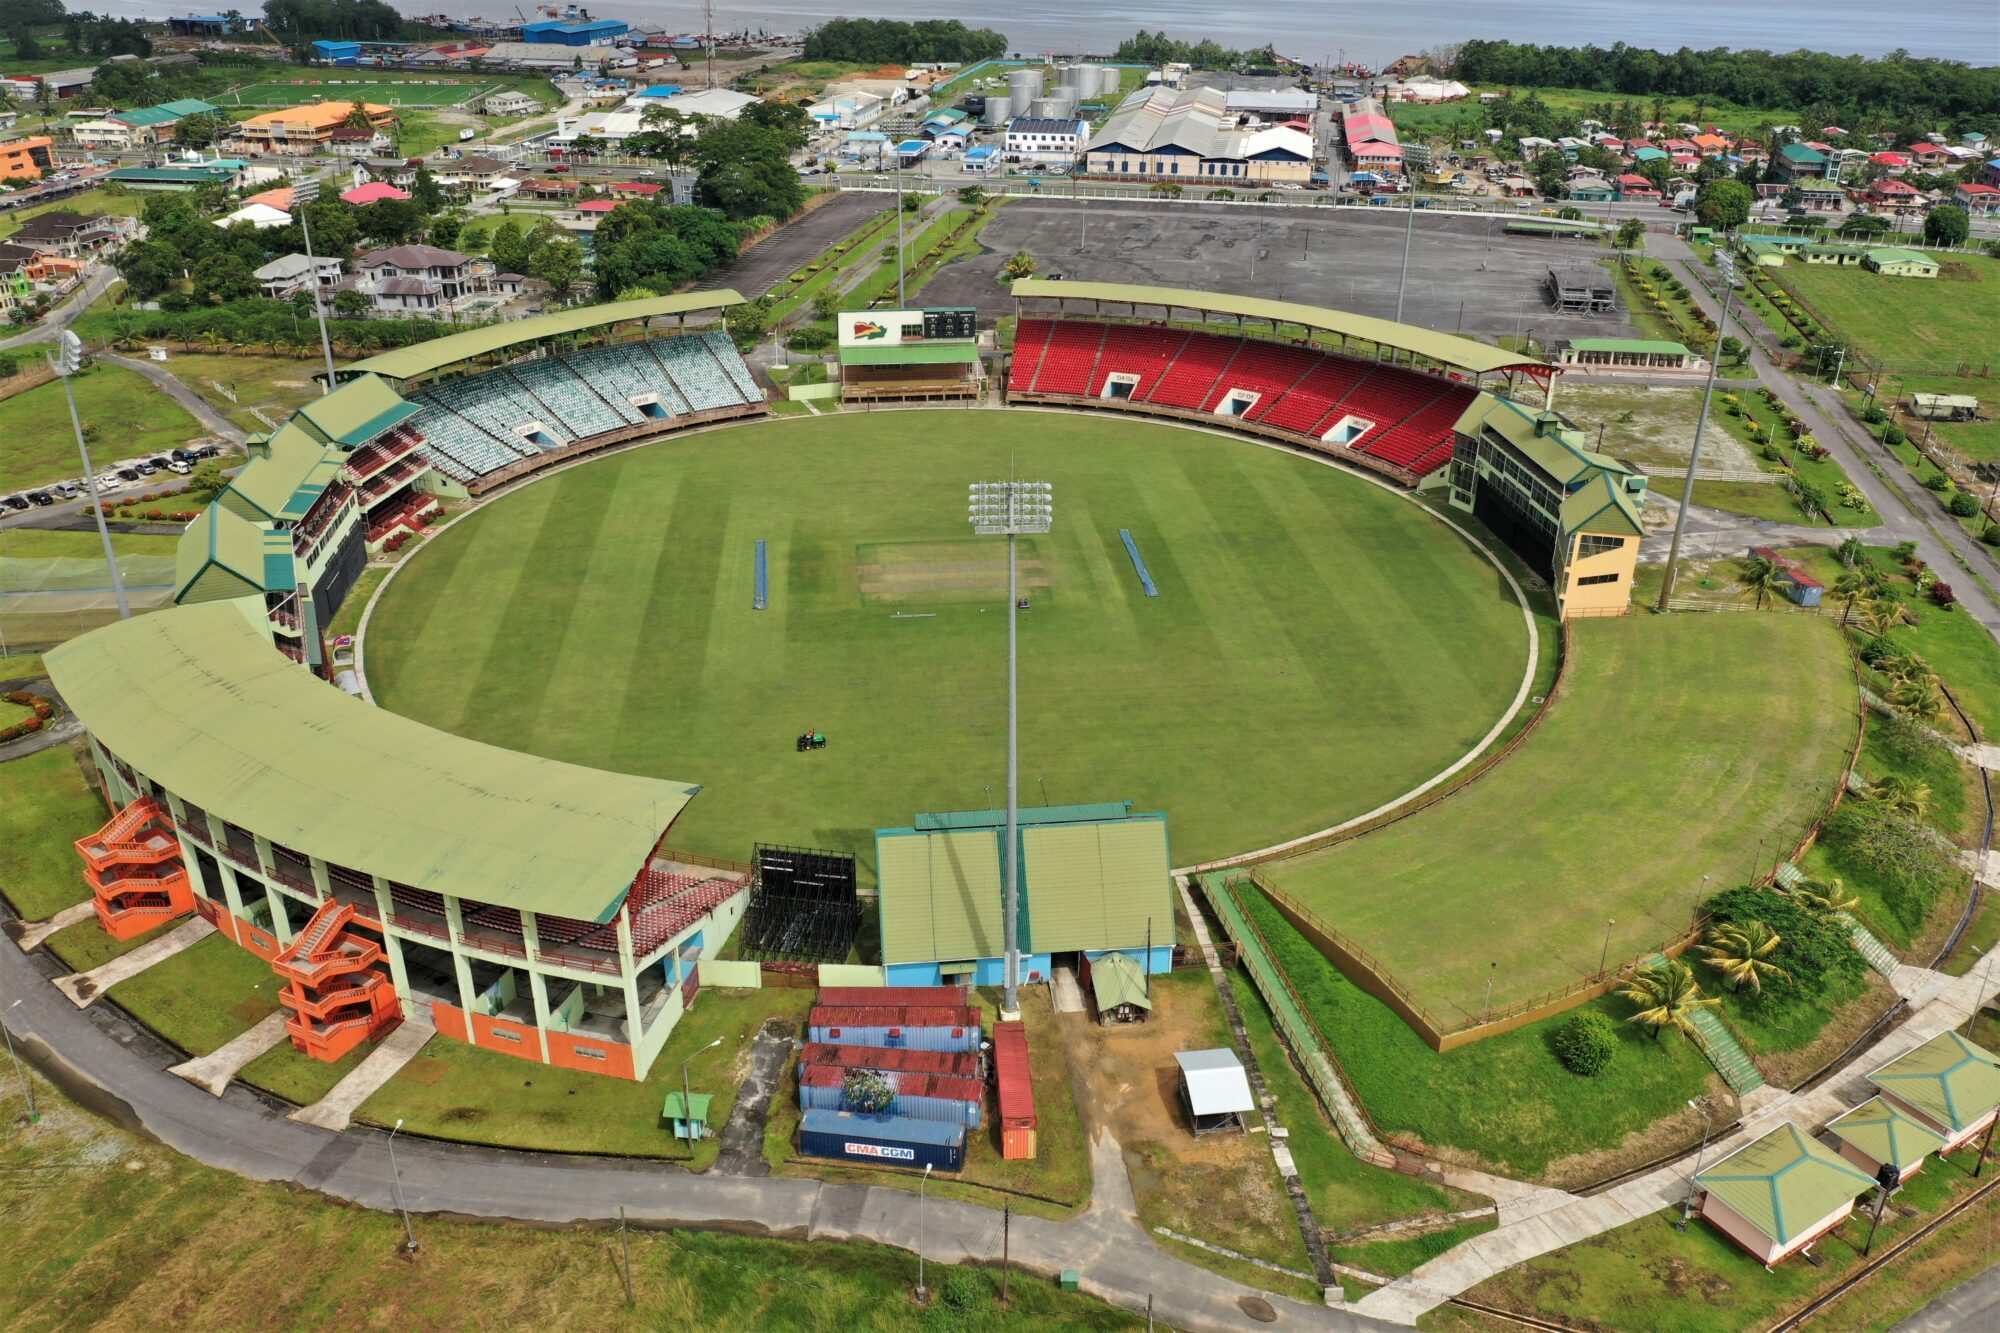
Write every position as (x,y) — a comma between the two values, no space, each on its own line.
(956,322)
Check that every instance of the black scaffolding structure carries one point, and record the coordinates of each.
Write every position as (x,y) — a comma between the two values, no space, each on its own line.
(804,905)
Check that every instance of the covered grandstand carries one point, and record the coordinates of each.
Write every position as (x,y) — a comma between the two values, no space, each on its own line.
(1386,400)
(518,903)
(496,402)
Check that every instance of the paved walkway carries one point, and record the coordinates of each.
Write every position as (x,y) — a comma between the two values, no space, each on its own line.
(335,1111)
(1065,994)
(84,987)
(30,934)
(214,1070)
(1516,1242)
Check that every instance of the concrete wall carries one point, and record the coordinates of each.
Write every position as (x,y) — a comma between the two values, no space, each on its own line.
(849,974)
(734,973)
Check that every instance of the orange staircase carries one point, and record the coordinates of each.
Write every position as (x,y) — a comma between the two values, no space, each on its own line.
(133,867)
(337,983)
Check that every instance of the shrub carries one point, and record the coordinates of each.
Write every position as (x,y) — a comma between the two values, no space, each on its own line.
(962,1289)
(1893,435)
(1791,341)
(1941,593)
(1873,414)
(1992,534)
(1905,859)
(1585,1044)
(1936,481)
(1813,949)
(1963,505)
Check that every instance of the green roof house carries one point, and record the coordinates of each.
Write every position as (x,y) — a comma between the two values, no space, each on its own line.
(1948,1083)
(1119,986)
(1795,159)
(1875,1134)
(1897,263)
(1778,1194)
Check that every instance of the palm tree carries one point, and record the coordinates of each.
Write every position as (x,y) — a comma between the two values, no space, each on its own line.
(1918,696)
(1830,897)
(1762,577)
(1850,588)
(1882,615)
(1667,996)
(1850,552)
(1742,951)
(1902,794)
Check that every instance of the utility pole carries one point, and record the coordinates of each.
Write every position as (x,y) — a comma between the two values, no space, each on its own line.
(625,1240)
(900,299)
(708,26)
(1006,1248)
(1687,1204)
(1725,265)
(66,360)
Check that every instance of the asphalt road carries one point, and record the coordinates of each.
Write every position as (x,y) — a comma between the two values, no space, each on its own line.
(755,272)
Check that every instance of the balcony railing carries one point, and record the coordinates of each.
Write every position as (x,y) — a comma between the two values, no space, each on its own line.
(491,943)
(602,964)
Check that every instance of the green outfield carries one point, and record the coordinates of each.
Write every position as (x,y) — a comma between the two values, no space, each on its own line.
(1319,644)
(388,92)
(1678,747)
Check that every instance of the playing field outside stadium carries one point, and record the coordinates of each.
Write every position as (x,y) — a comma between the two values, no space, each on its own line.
(1319,644)
(385,92)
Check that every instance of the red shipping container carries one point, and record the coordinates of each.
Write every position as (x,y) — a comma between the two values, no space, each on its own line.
(955,1064)
(894,997)
(1017,1091)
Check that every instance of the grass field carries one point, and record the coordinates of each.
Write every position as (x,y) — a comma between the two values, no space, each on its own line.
(1952,319)
(114,1231)
(38,444)
(127,204)
(346,88)
(49,803)
(1318,646)
(1674,746)
(276,386)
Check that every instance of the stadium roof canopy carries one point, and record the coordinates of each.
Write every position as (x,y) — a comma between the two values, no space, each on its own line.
(198,700)
(1446,349)
(405,363)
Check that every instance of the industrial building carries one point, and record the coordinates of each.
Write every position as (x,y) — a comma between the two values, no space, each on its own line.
(1093,879)
(1163,134)
(592,32)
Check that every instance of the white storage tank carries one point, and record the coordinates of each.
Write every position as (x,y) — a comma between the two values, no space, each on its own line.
(1072,76)
(1024,86)
(999,110)
(1046,108)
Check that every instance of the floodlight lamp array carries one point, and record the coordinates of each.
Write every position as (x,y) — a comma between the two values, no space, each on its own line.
(1001,508)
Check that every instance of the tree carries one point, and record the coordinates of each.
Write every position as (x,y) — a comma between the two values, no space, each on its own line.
(559,264)
(350,304)
(1020,264)
(1667,996)
(1829,897)
(867,1091)
(1849,588)
(1902,794)
(222,277)
(1723,204)
(1851,552)
(1585,1043)
(972,196)
(745,171)
(1167,189)
(200,130)
(1918,696)
(426,193)
(746,323)
(1631,234)
(826,304)
(205,483)
(1551,176)
(1761,576)
(507,247)
(1742,951)
(1947,225)
(445,228)
(1733,350)
(1864,226)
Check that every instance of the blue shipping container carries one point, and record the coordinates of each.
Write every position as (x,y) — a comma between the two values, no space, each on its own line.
(899,1038)
(949,1110)
(882,1140)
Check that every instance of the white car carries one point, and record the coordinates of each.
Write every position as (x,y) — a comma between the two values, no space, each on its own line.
(109,481)
(180,466)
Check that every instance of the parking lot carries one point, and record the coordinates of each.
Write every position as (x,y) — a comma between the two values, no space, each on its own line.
(1466,275)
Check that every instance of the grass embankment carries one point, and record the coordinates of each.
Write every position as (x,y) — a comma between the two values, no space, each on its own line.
(1284,588)
(456,1091)
(51,800)
(1446,119)
(277,386)
(1950,320)
(112,1230)
(203,996)
(1505,1101)
(128,416)
(797,290)
(1744,720)
(1054,1183)
(1648,1275)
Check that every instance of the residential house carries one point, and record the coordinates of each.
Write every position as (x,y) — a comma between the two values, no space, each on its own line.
(479,176)
(290,273)
(1875,1134)
(633,189)
(1893,195)
(356,142)
(508,104)
(1833,256)
(72,235)
(1779,1193)
(1892,262)
(1929,156)
(1950,1085)
(1797,161)
(374,192)
(1981,201)
(419,278)
(1592,189)
(1636,187)
(1892,164)
(261,216)
(120,131)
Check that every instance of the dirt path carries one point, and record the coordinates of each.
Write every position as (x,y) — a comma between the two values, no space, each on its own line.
(743,1137)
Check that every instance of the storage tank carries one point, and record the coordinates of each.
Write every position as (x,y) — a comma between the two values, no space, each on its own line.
(1068,100)
(1024,86)
(1050,108)
(999,110)
(1072,76)
(1109,80)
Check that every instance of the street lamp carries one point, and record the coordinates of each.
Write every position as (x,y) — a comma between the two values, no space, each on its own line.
(396,1181)
(1687,1204)
(306,192)
(1604,955)
(66,360)
(923,1292)
(1725,265)
(27,1089)
(687,1097)
(1010,508)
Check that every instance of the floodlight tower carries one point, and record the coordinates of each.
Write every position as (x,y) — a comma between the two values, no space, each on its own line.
(304,193)
(66,360)
(1010,508)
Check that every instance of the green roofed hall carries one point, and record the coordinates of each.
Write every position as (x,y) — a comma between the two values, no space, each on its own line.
(1445,348)
(198,700)
(1881,1133)
(408,362)
(1653,346)
(1949,1081)
(356,412)
(1785,1184)
(911,354)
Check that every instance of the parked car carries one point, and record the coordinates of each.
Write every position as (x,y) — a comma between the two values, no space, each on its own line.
(127,474)
(181,466)
(67,490)
(41,497)
(159,461)
(110,481)
(15,503)
(144,468)
(206,451)
(181,455)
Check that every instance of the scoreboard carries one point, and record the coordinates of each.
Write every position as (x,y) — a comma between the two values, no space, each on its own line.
(896,328)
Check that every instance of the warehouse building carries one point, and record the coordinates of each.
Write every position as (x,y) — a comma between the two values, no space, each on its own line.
(1093,878)
(1162,134)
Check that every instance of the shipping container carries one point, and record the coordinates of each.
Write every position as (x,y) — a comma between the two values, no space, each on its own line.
(952,1064)
(1016,1091)
(955,1029)
(882,1140)
(918,1096)
(892,997)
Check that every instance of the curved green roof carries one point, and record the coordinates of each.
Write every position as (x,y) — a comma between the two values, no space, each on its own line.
(197,699)
(408,362)
(1444,348)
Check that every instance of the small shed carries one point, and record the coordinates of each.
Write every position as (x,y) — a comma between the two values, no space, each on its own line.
(1214,1090)
(1120,987)
(1875,1134)
(1948,1083)
(689,1121)
(1894,262)
(1778,1194)
(1945,406)
(1798,586)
